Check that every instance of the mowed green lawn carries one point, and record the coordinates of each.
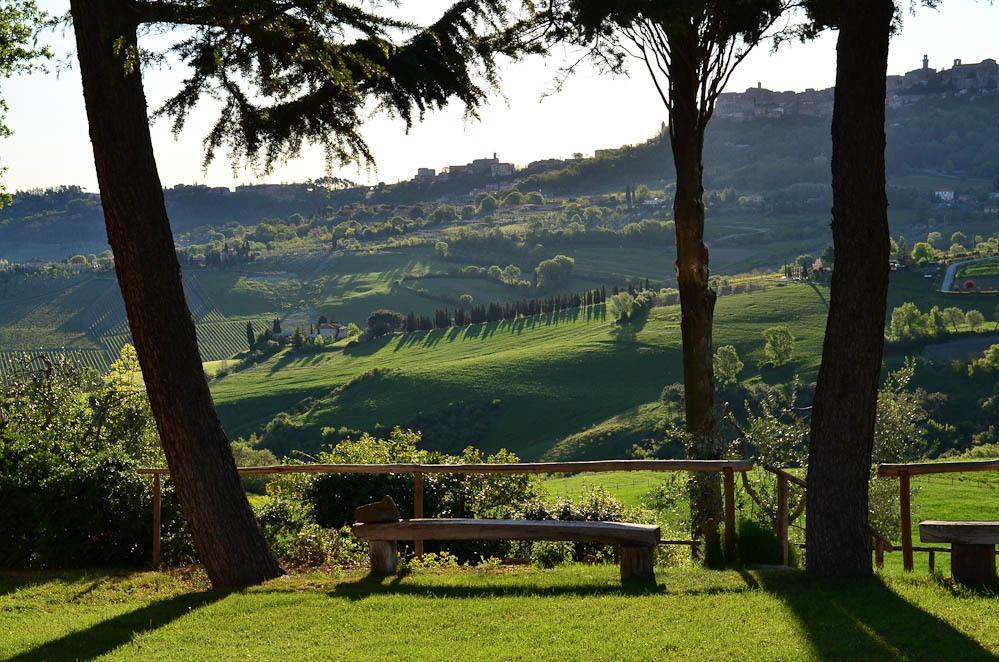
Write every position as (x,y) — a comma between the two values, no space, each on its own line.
(552,376)
(574,612)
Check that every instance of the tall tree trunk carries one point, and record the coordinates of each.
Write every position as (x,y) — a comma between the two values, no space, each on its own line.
(697,300)
(845,406)
(226,534)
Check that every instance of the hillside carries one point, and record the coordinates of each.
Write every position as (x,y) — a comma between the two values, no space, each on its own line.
(947,143)
(524,385)
(569,386)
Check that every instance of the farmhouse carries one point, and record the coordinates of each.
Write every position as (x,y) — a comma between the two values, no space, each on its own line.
(332,330)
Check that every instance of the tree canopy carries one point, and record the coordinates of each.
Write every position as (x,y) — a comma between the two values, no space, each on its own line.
(19,53)
(304,71)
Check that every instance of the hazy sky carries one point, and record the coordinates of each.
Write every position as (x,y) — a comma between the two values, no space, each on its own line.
(51,145)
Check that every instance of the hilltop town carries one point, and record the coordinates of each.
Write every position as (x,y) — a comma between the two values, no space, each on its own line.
(911,87)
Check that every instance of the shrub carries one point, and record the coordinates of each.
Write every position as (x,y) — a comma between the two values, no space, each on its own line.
(550,554)
(757,544)
(70,446)
(296,538)
(332,498)
(247,454)
(598,505)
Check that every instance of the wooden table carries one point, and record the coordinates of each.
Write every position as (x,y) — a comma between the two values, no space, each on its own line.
(972,545)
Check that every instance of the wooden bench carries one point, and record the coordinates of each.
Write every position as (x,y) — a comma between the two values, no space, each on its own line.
(972,548)
(380,524)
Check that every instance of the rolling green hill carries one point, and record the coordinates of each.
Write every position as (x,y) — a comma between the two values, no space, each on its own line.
(531,382)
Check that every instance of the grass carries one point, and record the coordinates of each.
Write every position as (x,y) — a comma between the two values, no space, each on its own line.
(627,486)
(955,496)
(553,376)
(504,613)
(571,386)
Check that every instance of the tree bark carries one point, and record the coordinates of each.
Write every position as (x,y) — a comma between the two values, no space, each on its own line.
(226,534)
(845,405)
(697,300)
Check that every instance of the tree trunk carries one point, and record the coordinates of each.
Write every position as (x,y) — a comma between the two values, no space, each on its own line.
(697,300)
(845,406)
(226,534)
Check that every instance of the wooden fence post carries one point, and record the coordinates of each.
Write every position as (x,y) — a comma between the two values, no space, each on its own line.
(906,512)
(418,506)
(782,523)
(729,475)
(157,505)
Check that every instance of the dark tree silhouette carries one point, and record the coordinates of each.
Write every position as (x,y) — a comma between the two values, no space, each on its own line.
(846,393)
(690,48)
(286,74)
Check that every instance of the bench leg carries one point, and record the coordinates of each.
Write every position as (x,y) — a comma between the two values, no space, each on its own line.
(384,556)
(973,565)
(637,563)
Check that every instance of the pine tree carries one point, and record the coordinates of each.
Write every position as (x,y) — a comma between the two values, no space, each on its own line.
(284,75)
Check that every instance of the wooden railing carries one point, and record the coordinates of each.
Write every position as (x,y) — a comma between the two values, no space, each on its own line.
(904,472)
(782,522)
(728,469)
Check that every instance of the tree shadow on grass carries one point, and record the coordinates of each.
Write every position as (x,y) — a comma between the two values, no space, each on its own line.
(106,636)
(371,585)
(865,619)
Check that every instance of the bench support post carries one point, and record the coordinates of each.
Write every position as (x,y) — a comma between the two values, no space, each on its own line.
(973,565)
(384,556)
(637,563)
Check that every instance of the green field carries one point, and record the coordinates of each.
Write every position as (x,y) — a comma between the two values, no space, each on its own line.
(563,387)
(573,612)
(554,376)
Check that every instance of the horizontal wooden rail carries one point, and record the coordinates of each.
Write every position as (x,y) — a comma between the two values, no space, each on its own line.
(919,468)
(789,476)
(726,467)
(904,472)
(715,466)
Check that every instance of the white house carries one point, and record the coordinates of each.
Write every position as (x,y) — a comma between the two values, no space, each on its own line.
(333,330)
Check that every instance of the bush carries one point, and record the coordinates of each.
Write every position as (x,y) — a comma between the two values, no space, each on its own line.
(247,454)
(296,538)
(71,442)
(550,554)
(332,498)
(757,544)
(596,506)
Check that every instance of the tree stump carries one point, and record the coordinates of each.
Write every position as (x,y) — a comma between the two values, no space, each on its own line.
(638,563)
(382,554)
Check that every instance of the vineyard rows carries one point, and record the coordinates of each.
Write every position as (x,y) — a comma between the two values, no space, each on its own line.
(12,362)
(107,316)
